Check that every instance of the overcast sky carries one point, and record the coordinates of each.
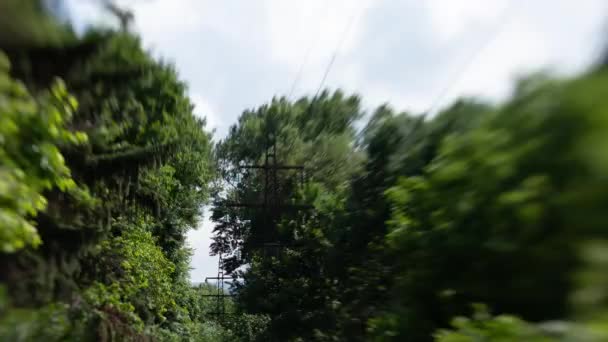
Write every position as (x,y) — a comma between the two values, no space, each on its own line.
(413,54)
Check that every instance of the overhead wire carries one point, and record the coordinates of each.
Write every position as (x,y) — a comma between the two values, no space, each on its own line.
(354,15)
(505,18)
(311,45)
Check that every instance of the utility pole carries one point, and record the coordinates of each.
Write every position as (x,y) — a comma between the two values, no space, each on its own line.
(271,208)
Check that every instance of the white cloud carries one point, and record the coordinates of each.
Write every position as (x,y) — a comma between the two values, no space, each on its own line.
(296,25)
(489,69)
(415,57)
(203,109)
(199,240)
(89,13)
(452,18)
(558,35)
(156,18)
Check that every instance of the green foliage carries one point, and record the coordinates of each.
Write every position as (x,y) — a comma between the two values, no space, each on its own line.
(53,322)
(486,328)
(113,256)
(501,202)
(288,287)
(591,321)
(478,204)
(26,23)
(48,323)
(198,326)
(138,272)
(589,298)
(31,133)
(414,218)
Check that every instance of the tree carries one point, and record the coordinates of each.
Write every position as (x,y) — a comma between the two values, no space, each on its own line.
(498,213)
(119,203)
(290,286)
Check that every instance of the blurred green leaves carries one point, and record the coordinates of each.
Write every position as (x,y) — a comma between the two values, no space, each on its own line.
(498,215)
(27,23)
(31,133)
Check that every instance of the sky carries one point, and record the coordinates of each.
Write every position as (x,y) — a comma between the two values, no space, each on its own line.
(415,55)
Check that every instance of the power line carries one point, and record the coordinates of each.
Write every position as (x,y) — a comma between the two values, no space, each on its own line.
(313,42)
(335,53)
(507,14)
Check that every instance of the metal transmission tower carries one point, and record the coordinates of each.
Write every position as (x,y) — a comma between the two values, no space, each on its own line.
(271,209)
(220,291)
